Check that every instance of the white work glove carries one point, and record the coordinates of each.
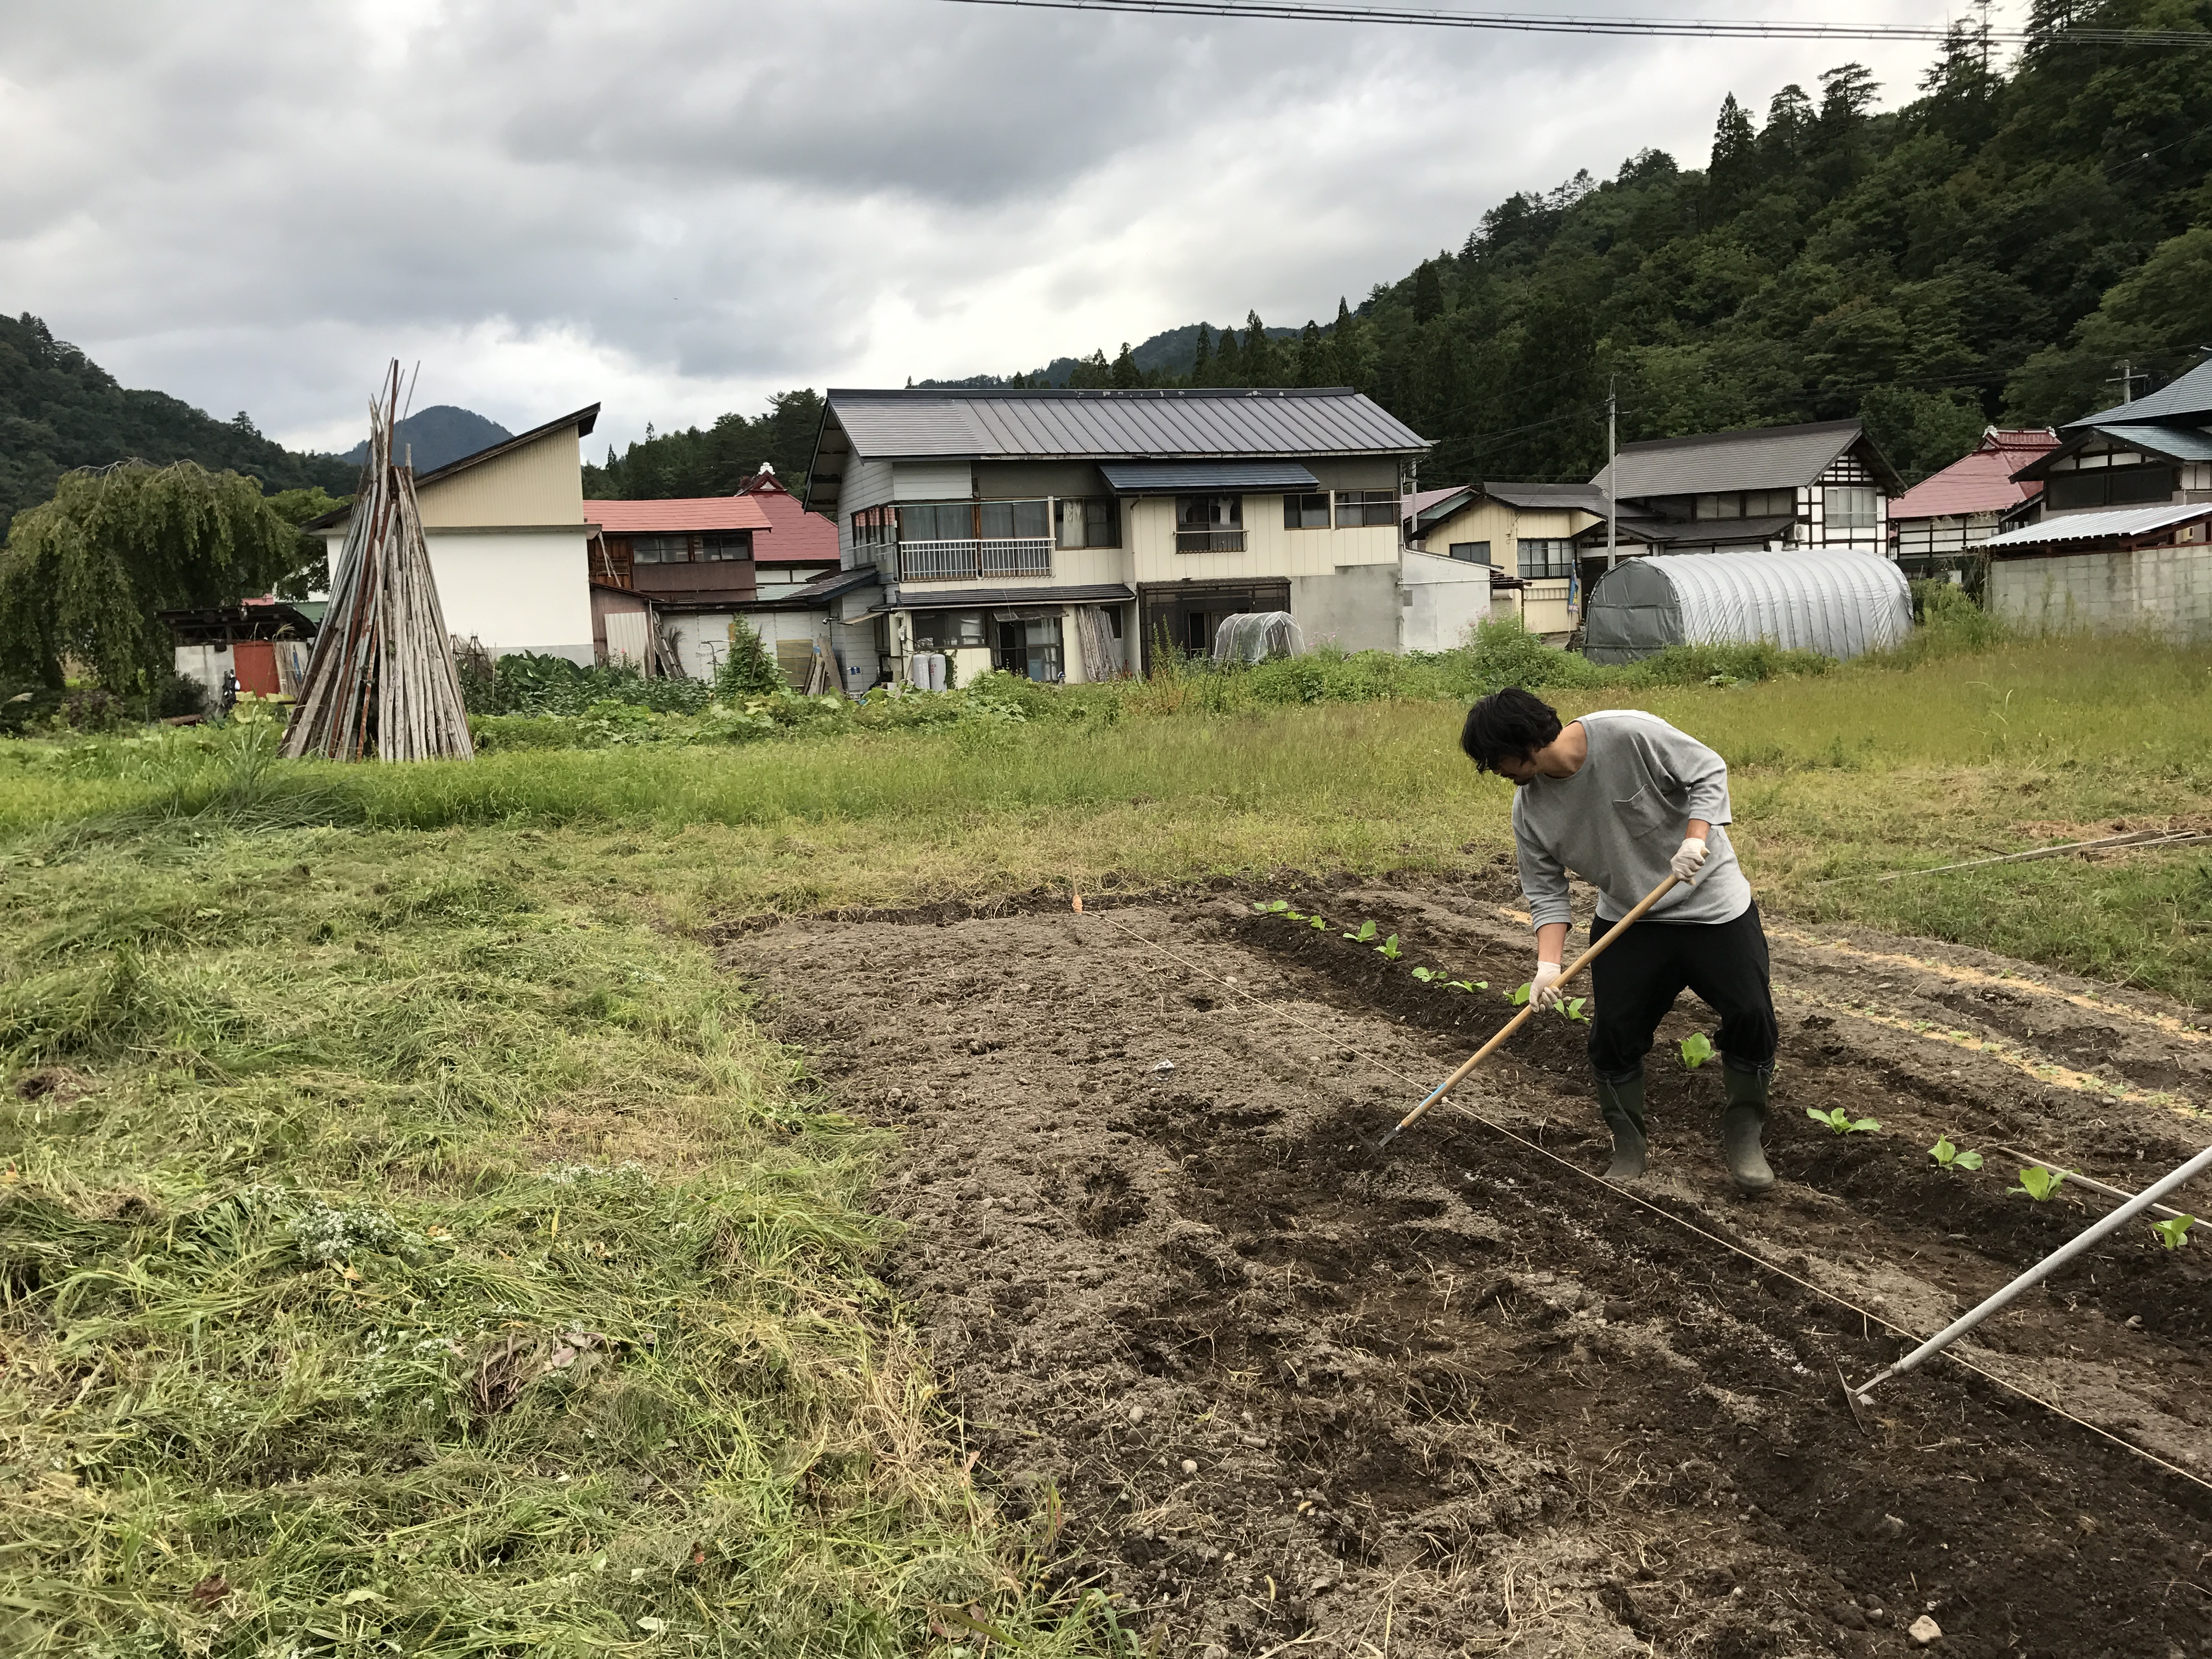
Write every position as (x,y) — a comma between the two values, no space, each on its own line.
(1689,858)
(1544,989)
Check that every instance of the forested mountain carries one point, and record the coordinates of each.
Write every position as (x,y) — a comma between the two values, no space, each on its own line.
(715,461)
(2005,245)
(60,410)
(435,435)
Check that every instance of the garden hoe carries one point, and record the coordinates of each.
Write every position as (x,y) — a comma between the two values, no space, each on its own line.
(1515,1024)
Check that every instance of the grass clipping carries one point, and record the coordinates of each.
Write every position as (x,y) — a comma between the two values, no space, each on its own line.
(396,1261)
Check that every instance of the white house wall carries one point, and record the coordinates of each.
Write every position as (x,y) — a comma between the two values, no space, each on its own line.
(514,591)
(1439,599)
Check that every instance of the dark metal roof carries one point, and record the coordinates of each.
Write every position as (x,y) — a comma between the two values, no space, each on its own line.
(1694,533)
(2189,395)
(1113,424)
(1172,477)
(1582,497)
(2177,442)
(1760,458)
(255,619)
(976,598)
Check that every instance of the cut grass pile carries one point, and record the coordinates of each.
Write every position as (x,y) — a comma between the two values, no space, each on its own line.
(407,1249)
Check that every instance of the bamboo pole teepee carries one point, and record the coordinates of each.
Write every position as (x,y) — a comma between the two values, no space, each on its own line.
(381,680)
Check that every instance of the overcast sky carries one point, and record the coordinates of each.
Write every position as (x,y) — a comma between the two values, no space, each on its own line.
(675,207)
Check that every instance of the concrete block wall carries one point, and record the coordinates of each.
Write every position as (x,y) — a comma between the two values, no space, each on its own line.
(2166,589)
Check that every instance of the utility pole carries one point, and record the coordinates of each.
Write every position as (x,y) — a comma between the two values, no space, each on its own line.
(2125,379)
(1612,453)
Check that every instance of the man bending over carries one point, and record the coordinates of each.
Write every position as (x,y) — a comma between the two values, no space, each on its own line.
(1621,797)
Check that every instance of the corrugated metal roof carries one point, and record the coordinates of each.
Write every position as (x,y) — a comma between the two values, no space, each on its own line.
(1114,425)
(1171,478)
(1980,480)
(2189,395)
(794,533)
(1422,500)
(679,513)
(1762,458)
(2095,527)
(1838,604)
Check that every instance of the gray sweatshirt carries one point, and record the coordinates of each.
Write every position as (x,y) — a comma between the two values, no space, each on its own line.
(1616,822)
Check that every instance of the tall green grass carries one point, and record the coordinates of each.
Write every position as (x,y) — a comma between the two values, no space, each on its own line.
(408,1245)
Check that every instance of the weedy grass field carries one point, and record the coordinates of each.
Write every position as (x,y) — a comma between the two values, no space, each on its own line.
(357,1121)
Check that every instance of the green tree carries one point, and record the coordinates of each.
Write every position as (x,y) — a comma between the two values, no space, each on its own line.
(83,574)
(1261,367)
(1229,360)
(311,569)
(1733,174)
(1428,293)
(747,669)
(1315,360)
(1201,361)
(1126,374)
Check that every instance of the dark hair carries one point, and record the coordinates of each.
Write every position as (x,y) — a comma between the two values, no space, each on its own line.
(1508,724)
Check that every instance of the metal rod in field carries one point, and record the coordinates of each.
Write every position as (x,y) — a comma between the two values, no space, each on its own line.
(2042,1270)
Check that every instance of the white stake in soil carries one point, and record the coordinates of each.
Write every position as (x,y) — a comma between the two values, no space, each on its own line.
(2146,1200)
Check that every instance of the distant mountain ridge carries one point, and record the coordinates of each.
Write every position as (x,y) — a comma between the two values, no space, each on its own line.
(60,411)
(435,435)
(1172,351)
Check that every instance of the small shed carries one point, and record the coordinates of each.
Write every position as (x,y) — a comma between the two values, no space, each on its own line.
(1839,604)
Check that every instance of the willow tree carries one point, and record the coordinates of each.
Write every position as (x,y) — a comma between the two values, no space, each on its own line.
(84,575)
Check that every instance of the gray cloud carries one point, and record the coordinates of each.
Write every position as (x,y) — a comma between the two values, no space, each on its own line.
(676,208)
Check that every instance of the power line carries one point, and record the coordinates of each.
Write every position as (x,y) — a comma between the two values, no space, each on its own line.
(1336,11)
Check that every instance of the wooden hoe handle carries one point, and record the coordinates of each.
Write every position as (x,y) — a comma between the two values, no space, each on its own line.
(1597,946)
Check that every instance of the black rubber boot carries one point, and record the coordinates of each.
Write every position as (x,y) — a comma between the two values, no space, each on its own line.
(1621,1105)
(1741,1125)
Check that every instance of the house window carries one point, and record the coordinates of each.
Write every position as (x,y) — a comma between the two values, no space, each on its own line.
(1307,512)
(1087,521)
(1747,504)
(1365,507)
(1471,552)
(1013,520)
(660,550)
(1546,557)
(727,545)
(1850,507)
(937,521)
(873,526)
(948,630)
(1209,524)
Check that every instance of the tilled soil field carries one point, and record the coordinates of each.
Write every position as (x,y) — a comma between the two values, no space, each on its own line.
(1465,1398)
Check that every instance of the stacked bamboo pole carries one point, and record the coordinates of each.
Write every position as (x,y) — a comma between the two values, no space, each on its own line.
(381,680)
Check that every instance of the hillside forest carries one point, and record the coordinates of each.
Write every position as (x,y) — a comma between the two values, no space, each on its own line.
(2005,245)
(60,411)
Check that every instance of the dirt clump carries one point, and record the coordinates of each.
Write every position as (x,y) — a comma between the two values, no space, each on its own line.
(1463,1398)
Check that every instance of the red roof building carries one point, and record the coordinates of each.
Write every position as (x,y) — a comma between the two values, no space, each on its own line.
(1940,518)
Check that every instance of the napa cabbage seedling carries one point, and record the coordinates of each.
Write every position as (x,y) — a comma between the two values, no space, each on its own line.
(1697,1048)
(1843,1122)
(1951,1158)
(1272,907)
(1428,976)
(2037,1182)
(1520,994)
(1470,985)
(1364,936)
(2173,1232)
(1317,922)
(1572,1009)
(1387,949)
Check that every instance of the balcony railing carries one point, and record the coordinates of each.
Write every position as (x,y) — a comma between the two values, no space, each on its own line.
(1209,541)
(975,561)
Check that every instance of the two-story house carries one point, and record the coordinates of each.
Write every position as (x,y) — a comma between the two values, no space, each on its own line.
(673,574)
(1069,534)
(508,541)
(2120,535)
(1769,488)
(1524,533)
(1945,518)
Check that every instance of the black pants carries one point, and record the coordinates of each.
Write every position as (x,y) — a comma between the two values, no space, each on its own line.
(1636,982)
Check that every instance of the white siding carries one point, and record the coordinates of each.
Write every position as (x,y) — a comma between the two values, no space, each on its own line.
(931,481)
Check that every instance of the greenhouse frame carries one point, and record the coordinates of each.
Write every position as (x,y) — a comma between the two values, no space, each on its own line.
(1837,603)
